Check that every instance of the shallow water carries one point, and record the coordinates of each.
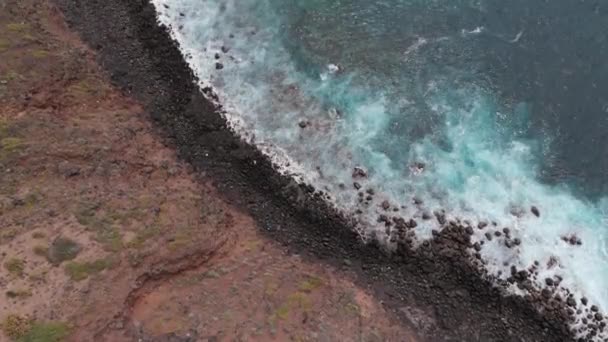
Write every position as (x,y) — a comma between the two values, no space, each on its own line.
(481,108)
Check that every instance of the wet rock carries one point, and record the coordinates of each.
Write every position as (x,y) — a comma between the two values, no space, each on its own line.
(383,218)
(370,191)
(584,300)
(549,281)
(482,225)
(571,301)
(62,249)
(516,241)
(469,230)
(302,124)
(426,216)
(217,56)
(497,233)
(440,215)
(418,201)
(552,262)
(488,236)
(411,223)
(225,49)
(68,170)
(506,230)
(357,185)
(535,211)
(598,316)
(594,308)
(477,246)
(359,173)
(219,66)
(385,205)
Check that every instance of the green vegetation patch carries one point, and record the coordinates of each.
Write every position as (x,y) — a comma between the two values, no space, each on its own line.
(46,332)
(62,249)
(17,27)
(142,236)
(15,327)
(11,144)
(81,270)
(310,284)
(4,45)
(15,266)
(20,293)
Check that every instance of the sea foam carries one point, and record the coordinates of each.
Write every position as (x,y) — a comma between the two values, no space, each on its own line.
(319,123)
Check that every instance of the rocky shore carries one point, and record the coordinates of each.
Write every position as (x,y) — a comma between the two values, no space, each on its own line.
(438,288)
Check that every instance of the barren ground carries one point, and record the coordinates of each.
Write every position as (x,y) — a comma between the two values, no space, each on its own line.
(105,235)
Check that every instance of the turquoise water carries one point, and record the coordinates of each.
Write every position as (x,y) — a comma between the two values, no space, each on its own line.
(479,108)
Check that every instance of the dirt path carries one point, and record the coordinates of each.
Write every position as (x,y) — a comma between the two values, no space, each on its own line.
(106,236)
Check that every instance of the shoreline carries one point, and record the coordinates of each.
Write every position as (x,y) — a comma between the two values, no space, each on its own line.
(438,278)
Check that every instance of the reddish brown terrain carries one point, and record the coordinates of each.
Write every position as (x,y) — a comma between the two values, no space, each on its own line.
(106,236)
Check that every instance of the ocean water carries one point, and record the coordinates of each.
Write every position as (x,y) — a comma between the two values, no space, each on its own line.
(480,108)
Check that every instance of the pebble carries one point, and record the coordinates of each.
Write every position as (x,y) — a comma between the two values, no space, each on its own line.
(535,211)
(359,173)
(386,205)
(571,302)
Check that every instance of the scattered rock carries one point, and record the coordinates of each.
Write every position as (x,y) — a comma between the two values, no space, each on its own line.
(535,211)
(571,302)
(386,205)
(482,225)
(219,66)
(359,173)
(440,215)
(303,124)
(68,170)
(357,186)
(549,281)
(225,49)
(426,216)
(584,300)
(217,56)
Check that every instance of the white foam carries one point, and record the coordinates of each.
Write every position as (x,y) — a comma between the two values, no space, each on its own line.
(483,176)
